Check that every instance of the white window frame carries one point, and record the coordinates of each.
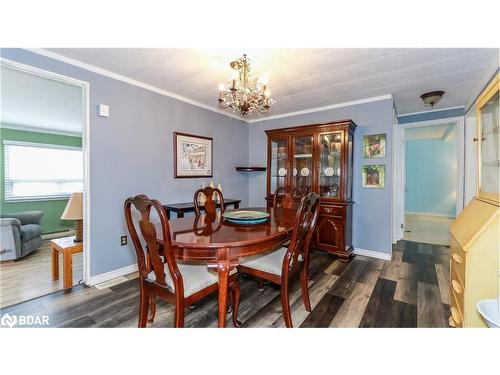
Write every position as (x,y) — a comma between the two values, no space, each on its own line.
(35,145)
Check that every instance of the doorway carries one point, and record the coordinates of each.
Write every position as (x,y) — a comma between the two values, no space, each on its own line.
(430,175)
(44,162)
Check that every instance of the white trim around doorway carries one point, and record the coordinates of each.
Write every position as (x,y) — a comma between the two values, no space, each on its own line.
(85,86)
(399,161)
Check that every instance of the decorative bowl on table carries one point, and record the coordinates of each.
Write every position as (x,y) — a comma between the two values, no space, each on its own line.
(246,216)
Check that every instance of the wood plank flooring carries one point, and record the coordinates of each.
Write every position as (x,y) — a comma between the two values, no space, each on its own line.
(411,290)
(31,276)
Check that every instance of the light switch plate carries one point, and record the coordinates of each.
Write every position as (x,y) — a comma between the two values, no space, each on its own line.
(103,110)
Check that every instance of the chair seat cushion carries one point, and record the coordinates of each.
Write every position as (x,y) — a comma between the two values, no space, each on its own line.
(30,231)
(195,277)
(270,262)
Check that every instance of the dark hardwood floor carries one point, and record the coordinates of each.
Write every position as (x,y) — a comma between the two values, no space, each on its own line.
(411,290)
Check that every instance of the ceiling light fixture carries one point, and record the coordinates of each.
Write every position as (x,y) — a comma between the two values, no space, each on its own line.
(244,93)
(432,97)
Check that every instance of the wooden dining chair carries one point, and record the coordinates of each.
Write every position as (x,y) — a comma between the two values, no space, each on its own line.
(280,265)
(211,197)
(159,273)
(286,197)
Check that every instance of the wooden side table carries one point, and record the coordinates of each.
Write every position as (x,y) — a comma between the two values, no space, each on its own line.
(181,208)
(67,247)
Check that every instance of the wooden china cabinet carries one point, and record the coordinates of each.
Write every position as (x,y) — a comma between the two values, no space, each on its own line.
(317,158)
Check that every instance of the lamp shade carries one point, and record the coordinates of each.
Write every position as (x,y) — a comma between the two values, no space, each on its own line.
(74,208)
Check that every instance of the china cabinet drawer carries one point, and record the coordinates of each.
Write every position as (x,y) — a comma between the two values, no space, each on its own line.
(338,211)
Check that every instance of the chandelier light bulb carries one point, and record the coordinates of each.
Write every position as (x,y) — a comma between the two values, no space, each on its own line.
(264,80)
(245,93)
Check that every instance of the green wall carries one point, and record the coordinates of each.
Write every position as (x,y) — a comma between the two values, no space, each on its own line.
(52,209)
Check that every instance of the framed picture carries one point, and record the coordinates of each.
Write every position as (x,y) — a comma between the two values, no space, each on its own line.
(373,176)
(192,156)
(374,146)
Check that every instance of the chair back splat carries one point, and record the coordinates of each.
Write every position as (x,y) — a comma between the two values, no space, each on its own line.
(305,224)
(212,195)
(287,197)
(149,256)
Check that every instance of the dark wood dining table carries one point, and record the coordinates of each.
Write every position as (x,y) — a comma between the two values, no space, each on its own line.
(211,239)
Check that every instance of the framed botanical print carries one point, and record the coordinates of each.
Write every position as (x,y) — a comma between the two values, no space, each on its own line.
(192,156)
(374,146)
(373,176)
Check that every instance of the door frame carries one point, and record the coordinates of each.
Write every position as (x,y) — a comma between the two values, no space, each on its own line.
(85,87)
(400,173)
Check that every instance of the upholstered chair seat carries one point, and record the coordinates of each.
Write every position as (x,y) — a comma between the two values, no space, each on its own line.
(160,275)
(195,277)
(278,266)
(271,262)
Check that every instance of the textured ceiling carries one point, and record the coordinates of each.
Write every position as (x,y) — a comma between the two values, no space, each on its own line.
(28,100)
(302,79)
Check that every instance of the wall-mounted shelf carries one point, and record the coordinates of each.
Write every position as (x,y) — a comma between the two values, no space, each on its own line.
(251,169)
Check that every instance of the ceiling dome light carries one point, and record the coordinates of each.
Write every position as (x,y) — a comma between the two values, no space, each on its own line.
(432,97)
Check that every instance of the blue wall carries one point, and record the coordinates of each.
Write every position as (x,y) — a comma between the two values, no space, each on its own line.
(431,176)
(131,153)
(372,210)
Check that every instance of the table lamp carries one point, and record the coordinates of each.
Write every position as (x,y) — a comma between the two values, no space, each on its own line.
(74,211)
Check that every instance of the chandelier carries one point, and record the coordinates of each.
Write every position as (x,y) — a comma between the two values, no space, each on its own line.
(244,93)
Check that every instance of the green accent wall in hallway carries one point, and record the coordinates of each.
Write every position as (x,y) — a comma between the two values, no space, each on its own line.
(52,209)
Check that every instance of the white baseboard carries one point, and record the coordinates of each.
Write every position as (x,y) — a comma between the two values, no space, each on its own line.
(50,236)
(112,274)
(373,254)
(429,214)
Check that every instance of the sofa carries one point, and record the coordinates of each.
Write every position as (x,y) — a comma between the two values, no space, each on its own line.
(20,234)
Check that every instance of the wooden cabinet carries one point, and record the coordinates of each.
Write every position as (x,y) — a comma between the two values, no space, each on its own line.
(475,235)
(317,158)
(474,262)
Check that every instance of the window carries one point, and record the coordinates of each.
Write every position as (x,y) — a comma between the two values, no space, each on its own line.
(38,171)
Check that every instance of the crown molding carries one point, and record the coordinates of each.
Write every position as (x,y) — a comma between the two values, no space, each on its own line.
(128,80)
(325,108)
(431,110)
(119,77)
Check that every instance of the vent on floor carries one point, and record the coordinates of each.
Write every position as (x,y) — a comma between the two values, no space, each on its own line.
(110,283)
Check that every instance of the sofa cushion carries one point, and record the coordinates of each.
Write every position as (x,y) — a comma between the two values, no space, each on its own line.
(30,231)
(30,245)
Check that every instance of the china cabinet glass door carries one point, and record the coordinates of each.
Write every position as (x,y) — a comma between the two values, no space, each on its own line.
(489,134)
(302,161)
(279,163)
(330,161)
